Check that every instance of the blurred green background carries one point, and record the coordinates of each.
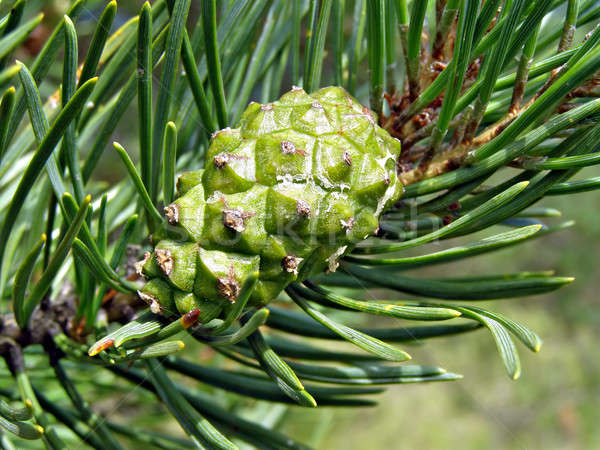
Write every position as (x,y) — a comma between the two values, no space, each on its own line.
(556,402)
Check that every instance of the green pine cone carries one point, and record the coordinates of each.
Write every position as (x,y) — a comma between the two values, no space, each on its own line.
(286,195)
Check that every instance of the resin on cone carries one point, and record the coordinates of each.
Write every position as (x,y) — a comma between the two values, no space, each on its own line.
(285,195)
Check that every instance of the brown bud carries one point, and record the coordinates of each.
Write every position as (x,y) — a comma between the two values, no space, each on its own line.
(172,213)
(386,178)
(288,148)
(139,265)
(302,208)
(221,160)
(421,119)
(438,66)
(228,288)
(151,301)
(164,260)
(347,159)
(235,220)
(290,264)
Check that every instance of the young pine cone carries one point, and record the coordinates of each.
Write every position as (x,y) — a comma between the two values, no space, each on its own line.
(286,194)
